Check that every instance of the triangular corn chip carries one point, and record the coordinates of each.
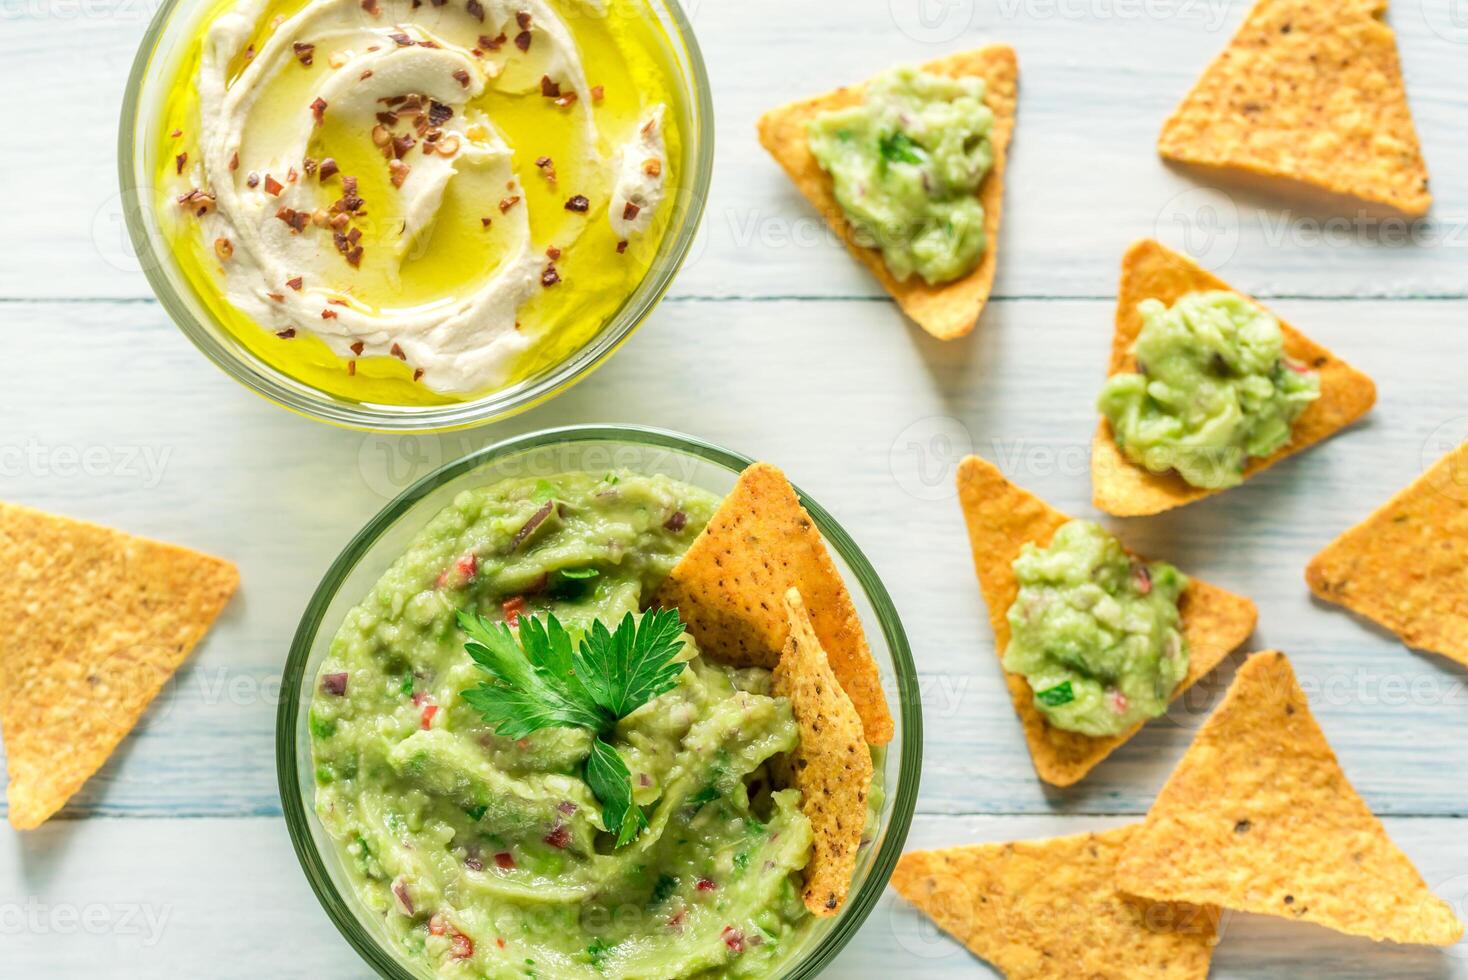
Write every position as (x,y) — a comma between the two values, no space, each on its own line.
(1001,519)
(1050,909)
(1310,91)
(1406,566)
(832,765)
(1259,817)
(96,623)
(760,543)
(946,311)
(1152,271)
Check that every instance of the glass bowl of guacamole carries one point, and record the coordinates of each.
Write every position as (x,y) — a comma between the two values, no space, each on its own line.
(408,216)
(440,849)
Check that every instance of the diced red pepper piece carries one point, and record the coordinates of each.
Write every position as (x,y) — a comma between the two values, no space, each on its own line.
(1119,701)
(513,608)
(463,946)
(705,885)
(429,710)
(733,938)
(436,925)
(504,859)
(559,836)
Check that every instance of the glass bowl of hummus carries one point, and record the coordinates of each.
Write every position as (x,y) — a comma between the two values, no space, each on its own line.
(413,214)
(442,848)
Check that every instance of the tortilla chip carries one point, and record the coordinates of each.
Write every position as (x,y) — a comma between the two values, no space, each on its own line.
(96,623)
(760,543)
(1049,908)
(1002,518)
(832,766)
(949,310)
(1152,271)
(1406,566)
(1311,91)
(1259,817)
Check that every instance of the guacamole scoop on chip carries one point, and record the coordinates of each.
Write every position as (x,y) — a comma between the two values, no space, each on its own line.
(906,165)
(1095,631)
(1213,389)
(615,815)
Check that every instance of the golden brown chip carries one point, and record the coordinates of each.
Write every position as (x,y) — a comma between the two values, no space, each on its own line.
(1259,817)
(1311,91)
(760,543)
(1002,519)
(1049,909)
(832,766)
(1406,566)
(96,622)
(1152,271)
(946,311)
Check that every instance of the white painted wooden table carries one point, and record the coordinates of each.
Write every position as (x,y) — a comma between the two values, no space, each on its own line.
(174,861)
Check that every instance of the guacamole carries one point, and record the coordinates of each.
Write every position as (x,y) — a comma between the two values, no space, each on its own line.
(1212,389)
(1095,631)
(489,857)
(907,164)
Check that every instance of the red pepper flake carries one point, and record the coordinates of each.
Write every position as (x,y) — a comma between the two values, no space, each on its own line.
(486,222)
(371,7)
(398,353)
(461,75)
(598,93)
(318,110)
(234,161)
(295,283)
(429,710)
(578,203)
(401,40)
(621,248)
(179,161)
(288,332)
(522,40)
(512,609)
(733,938)
(630,211)
(653,167)
(176,133)
(296,219)
(508,203)
(522,17)
(328,314)
(358,347)
(550,276)
(273,187)
(500,942)
(438,113)
(417,373)
(552,253)
(291,175)
(223,248)
(398,171)
(462,945)
(354,257)
(504,859)
(351,369)
(492,43)
(559,836)
(303,52)
(250,52)
(566,99)
(278,297)
(548,87)
(327,170)
(475,9)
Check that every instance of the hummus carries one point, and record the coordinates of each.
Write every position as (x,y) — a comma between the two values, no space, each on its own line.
(490,857)
(413,201)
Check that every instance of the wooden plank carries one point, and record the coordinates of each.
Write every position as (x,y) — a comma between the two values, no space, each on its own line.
(1097,79)
(875,439)
(225,898)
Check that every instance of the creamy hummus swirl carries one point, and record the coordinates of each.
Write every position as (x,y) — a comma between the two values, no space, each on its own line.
(295,231)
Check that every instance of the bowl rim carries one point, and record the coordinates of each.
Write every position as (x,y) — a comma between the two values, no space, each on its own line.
(688,203)
(909,764)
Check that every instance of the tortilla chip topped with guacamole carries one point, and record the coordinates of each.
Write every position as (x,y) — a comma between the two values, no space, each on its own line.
(1308,91)
(1259,817)
(1002,519)
(947,309)
(1051,908)
(1150,271)
(760,543)
(830,765)
(1406,566)
(97,623)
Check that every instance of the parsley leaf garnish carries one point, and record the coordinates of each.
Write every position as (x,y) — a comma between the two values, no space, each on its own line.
(543,680)
(901,148)
(1054,697)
